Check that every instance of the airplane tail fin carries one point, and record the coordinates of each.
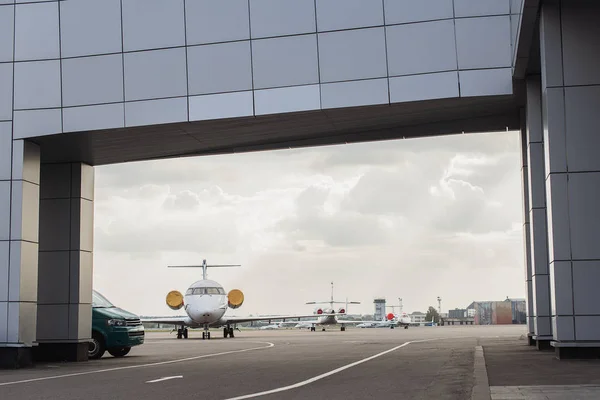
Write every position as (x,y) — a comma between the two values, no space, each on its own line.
(204,266)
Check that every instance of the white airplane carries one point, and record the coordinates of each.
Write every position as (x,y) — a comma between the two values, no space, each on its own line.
(275,325)
(328,316)
(205,303)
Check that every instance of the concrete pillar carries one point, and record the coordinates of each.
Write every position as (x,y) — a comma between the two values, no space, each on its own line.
(19,205)
(527,229)
(570,64)
(65,261)
(538,233)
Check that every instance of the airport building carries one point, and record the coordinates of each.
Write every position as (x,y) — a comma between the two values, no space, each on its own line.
(509,311)
(98,82)
(506,312)
(380,311)
(417,317)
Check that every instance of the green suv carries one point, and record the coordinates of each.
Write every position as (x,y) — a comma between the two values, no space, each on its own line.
(113,329)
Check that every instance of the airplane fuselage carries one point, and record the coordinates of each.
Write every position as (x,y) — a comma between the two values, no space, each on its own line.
(327,320)
(205,302)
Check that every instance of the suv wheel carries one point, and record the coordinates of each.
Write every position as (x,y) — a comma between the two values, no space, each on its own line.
(96,347)
(119,351)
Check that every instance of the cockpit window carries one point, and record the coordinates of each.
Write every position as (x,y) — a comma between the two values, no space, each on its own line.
(205,290)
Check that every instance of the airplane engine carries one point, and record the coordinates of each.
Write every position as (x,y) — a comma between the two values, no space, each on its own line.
(319,311)
(174,300)
(235,298)
(390,316)
(341,311)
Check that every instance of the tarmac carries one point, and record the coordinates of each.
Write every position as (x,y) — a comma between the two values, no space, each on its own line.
(468,362)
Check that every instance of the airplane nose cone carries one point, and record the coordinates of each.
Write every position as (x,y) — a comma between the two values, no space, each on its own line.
(201,315)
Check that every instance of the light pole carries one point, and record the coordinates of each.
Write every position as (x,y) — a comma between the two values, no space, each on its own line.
(439,299)
(400,301)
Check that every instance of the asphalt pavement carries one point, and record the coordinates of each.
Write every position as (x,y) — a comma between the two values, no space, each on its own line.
(416,363)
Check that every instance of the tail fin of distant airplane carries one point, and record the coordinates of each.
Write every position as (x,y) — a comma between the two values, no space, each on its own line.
(331,302)
(204,266)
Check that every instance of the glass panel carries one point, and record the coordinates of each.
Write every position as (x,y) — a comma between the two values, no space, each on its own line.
(100,301)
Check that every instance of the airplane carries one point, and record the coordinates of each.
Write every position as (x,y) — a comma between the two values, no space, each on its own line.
(328,316)
(388,321)
(205,303)
(275,325)
(392,320)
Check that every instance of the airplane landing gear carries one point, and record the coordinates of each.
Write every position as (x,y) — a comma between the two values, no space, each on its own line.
(406,327)
(182,333)
(228,331)
(323,330)
(343,329)
(206,333)
(313,329)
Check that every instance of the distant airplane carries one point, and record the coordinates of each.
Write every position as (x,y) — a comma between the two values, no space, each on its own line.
(275,325)
(392,320)
(205,303)
(328,316)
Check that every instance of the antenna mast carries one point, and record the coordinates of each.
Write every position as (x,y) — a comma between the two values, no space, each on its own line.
(331,303)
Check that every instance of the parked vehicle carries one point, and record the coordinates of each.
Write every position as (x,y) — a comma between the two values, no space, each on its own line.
(113,329)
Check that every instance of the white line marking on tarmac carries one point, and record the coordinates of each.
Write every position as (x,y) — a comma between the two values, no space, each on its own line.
(326,374)
(269,345)
(166,378)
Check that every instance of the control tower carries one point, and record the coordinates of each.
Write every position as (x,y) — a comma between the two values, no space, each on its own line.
(379,309)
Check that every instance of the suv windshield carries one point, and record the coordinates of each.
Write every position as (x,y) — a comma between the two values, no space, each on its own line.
(100,301)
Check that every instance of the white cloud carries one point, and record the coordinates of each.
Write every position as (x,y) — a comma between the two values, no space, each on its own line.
(409,218)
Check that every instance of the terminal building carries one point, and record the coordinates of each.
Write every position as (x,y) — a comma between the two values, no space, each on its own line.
(506,312)
(98,82)
(509,311)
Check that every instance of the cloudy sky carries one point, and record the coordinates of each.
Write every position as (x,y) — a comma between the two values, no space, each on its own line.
(414,219)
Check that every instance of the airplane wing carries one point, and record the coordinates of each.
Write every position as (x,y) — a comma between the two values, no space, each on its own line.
(175,320)
(341,321)
(239,320)
(187,321)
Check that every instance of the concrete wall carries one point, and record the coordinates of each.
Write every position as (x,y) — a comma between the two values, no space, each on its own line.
(85,65)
